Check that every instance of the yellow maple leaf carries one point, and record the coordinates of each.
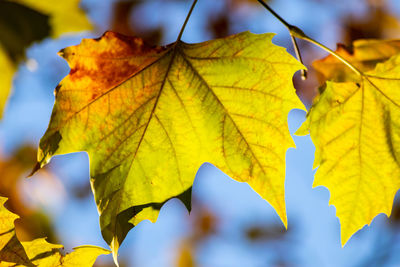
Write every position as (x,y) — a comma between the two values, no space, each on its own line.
(7,69)
(80,256)
(65,16)
(22,27)
(10,248)
(39,252)
(149,117)
(363,54)
(354,126)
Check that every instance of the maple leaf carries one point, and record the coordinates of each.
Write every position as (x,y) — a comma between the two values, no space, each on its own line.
(149,117)
(38,252)
(363,54)
(355,128)
(43,253)
(26,21)
(7,69)
(10,248)
(64,16)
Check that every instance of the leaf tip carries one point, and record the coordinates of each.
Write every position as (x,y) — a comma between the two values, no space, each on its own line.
(115,258)
(114,248)
(304,129)
(35,169)
(344,241)
(282,215)
(61,53)
(284,221)
(346,234)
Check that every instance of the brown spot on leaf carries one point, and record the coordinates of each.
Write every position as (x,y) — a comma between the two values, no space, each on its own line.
(94,96)
(108,61)
(72,71)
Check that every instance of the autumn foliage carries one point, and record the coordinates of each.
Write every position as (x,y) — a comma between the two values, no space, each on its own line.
(149,116)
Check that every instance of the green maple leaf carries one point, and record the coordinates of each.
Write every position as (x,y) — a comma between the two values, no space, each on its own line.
(355,128)
(38,252)
(149,117)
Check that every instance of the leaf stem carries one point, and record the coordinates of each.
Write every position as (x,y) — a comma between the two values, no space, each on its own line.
(298,55)
(284,22)
(292,36)
(333,53)
(186,21)
(295,32)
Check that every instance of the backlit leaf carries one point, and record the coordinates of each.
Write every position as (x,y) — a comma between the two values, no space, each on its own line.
(7,69)
(149,117)
(11,249)
(23,22)
(21,26)
(65,16)
(355,128)
(43,254)
(39,252)
(364,54)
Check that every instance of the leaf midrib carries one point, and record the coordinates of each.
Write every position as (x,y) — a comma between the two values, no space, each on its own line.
(174,49)
(233,121)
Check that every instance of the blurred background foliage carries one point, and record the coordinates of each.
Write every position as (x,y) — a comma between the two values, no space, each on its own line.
(49,203)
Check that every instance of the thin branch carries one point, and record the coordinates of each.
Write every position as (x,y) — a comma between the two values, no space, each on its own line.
(298,55)
(295,32)
(291,29)
(186,21)
(284,22)
(333,53)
